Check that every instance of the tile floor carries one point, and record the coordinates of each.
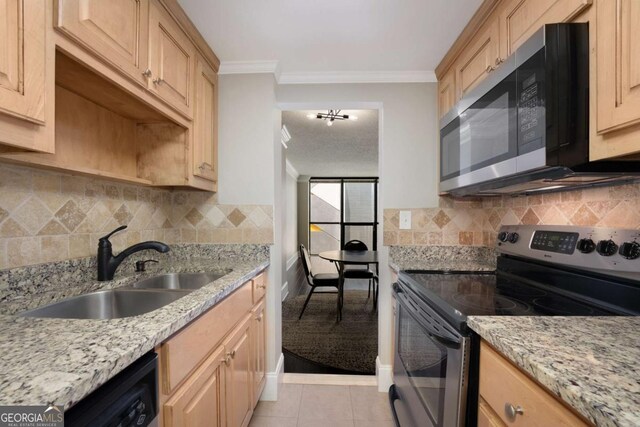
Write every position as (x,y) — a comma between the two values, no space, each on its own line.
(325,405)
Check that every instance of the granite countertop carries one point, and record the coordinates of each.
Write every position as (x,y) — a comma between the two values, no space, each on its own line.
(589,362)
(460,258)
(63,360)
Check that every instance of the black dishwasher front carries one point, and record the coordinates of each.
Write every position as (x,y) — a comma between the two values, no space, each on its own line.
(128,399)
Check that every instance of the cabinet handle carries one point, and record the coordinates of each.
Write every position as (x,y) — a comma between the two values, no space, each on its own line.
(511,411)
(147,73)
(227,359)
(489,69)
(157,81)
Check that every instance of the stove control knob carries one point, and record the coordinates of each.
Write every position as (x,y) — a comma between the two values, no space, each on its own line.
(585,246)
(630,250)
(607,247)
(502,236)
(513,237)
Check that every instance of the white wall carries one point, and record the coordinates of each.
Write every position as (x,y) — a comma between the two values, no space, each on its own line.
(291,216)
(245,139)
(407,163)
(251,171)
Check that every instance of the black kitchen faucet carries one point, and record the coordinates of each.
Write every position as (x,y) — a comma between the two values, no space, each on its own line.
(107,263)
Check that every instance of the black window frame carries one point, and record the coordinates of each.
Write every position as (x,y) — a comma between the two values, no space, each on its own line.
(342,223)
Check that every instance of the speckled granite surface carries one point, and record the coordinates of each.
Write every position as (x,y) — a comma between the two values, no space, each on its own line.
(63,360)
(589,362)
(463,258)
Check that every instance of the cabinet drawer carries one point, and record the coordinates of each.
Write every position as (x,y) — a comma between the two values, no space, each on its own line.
(184,351)
(259,287)
(501,383)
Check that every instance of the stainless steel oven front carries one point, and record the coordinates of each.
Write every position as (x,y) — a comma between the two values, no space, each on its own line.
(430,366)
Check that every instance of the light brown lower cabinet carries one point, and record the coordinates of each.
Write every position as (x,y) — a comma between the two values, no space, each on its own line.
(213,371)
(509,397)
(199,401)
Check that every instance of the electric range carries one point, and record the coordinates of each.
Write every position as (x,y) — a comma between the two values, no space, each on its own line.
(541,271)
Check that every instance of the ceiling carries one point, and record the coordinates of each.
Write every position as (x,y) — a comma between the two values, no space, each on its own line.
(348,148)
(332,37)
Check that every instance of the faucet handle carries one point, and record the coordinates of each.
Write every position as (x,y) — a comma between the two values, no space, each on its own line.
(122,227)
(141,265)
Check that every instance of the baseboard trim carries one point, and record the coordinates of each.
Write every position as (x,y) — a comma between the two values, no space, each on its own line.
(273,381)
(384,374)
(284,291)
(329,379)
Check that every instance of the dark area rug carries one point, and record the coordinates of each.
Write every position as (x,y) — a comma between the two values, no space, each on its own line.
(348,347)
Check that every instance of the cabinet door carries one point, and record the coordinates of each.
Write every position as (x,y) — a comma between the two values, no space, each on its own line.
(238,376)
(22,59)
(259,350)
(446,92)
(618,64)
(116,30)
(199,402)
(171,60)
(519,19)
(205,143)
(478,59)
(486,416)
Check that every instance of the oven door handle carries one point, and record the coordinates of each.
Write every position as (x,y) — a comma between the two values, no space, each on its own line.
(450,342)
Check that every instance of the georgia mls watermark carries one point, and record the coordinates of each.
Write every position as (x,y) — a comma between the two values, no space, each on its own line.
(31,416)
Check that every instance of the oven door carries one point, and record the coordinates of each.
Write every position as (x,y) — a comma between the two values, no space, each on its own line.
(429,367)
(481,142)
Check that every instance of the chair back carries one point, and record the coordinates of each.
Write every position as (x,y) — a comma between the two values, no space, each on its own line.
(306,261)
(355,245)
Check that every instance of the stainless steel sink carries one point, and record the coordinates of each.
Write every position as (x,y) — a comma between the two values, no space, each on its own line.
(108,304)
(184,281)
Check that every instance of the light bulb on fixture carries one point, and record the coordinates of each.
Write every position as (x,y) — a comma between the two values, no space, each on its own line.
(353,117)
(311,116)
(329,122)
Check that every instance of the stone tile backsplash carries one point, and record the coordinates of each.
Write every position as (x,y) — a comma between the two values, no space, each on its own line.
(50,216)
(476,222)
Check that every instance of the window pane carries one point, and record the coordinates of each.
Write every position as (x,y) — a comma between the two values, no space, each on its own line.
(324,237)
(325,202)
(358,202)
(364,233)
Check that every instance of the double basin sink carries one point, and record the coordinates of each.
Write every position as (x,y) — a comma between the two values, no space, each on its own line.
(144,296)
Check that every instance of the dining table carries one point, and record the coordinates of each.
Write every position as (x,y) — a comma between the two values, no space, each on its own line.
(343,258)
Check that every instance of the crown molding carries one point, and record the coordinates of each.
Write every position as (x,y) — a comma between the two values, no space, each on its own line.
(249,67)
(326,77)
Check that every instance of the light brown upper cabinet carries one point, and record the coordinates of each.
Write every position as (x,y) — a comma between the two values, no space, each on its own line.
(171,60)
(519,19)
(618,64)
(205,143)
(115,30)
(446,92)
(479,59)
(22,59)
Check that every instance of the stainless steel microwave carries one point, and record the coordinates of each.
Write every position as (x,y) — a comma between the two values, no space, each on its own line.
(525,127)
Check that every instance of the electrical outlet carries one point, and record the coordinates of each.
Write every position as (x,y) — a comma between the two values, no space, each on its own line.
(405,220)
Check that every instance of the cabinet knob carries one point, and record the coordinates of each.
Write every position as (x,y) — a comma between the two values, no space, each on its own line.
(261,287)
(489,68)
(227,359)
(157,81)
(147,73)
(259,319)
(233,354)
(511,411)
(499,61)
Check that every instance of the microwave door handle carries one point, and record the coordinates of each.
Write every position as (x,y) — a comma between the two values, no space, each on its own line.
(446,341)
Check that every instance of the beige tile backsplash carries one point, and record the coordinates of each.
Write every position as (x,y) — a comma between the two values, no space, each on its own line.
(476,222)
(48,216)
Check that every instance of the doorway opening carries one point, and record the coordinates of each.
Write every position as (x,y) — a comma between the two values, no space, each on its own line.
(331,198)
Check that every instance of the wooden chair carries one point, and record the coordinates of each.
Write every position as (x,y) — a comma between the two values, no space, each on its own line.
(359,272)
(317,280)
